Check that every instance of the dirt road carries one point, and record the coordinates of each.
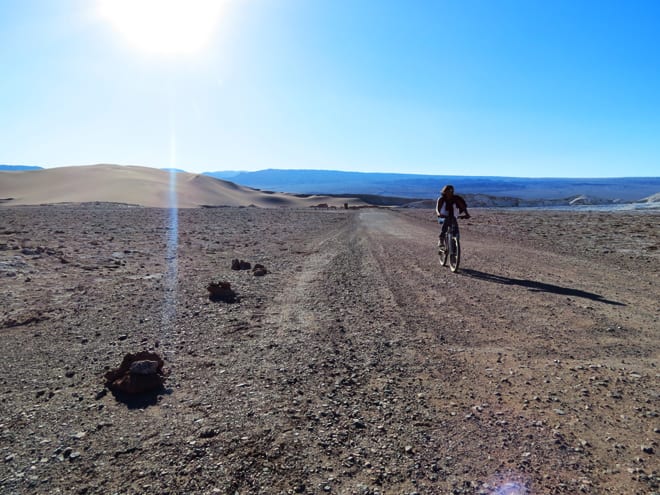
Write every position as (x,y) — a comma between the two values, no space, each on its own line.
(356,365)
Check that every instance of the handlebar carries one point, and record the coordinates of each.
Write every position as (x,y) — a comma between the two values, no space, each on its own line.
(462,217)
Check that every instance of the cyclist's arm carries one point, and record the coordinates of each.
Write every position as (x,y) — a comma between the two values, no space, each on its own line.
(438,207)
(462,207)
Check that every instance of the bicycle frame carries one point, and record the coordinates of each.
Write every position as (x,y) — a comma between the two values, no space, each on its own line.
(452,230)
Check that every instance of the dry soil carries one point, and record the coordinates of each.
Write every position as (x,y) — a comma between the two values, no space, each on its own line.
(356,365)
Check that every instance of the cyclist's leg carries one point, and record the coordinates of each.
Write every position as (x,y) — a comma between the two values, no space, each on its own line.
(443,231)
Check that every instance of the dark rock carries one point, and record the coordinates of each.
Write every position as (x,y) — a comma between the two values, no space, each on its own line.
(208,433)
(127,380)
(221,291)
(259,270)
(144,367)
(240,265)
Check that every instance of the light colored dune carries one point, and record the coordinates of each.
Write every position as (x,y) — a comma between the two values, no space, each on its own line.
(654,198)
(141,186)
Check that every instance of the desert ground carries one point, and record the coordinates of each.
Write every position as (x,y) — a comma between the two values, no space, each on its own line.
(356,365)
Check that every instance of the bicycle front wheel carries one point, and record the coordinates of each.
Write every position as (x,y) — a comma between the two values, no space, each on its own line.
(442,253)
(454,254)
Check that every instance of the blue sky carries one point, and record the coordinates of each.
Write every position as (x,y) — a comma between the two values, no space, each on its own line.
(501,87)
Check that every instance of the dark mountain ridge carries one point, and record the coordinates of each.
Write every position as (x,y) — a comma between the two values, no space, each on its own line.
(19,168)
(605,190)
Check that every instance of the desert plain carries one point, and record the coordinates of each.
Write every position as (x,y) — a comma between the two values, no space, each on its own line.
(355,365)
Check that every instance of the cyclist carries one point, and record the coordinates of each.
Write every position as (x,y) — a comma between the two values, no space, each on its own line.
(445,208)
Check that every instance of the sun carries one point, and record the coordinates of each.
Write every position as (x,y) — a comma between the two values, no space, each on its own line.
(164,27)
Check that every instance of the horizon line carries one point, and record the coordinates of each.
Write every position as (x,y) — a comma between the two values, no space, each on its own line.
(41,167)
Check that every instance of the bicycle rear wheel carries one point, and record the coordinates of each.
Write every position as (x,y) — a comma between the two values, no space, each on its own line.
(454,254)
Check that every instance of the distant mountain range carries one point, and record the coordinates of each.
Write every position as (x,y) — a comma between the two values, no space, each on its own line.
(428,186)
(400,189)
(18,168)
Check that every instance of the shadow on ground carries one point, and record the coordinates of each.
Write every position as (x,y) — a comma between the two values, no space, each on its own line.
(535,286)
(140,401)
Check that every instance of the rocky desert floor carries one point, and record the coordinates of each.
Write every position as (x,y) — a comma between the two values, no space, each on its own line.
(356,365)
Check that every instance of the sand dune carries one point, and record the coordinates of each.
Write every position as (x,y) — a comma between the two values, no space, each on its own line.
(140,186)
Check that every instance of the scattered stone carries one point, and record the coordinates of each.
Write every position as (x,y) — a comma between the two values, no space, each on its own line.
(208,433)
(125,380)
(237,264)
(221,291)
(648,449)
(259,270)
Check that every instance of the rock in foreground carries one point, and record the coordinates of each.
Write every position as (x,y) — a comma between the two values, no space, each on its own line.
(139,373)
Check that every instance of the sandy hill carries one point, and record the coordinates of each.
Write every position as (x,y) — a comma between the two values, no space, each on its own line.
(140,186)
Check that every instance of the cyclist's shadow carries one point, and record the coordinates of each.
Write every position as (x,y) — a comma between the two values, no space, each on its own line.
(538,286)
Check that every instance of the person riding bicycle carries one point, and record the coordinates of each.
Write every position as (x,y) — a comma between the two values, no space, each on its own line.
(445,208)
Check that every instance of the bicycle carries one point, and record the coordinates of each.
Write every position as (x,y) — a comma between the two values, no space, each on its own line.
(449,248)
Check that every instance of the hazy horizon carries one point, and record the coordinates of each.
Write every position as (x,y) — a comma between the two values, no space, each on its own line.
(340,171)
(473,88)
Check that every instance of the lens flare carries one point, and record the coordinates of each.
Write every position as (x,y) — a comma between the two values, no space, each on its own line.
(169,308)
(510,488)
(164,27)
(171,255)
(508,483)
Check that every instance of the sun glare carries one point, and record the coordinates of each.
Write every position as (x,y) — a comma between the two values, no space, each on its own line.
(164,27)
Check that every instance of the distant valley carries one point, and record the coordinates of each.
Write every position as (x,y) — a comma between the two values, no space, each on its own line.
(498,191)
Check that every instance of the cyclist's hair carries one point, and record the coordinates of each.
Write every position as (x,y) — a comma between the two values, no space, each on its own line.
(448,187)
